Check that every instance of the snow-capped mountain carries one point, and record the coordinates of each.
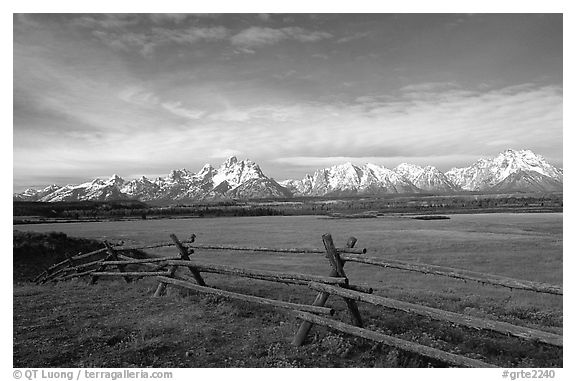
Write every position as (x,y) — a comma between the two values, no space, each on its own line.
(35,195)
(509,171)
(142,188)
(347,179)
(426,178)
(233,179)
(95,190)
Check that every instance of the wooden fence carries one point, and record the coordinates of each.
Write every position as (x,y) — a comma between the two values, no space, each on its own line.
(103,262)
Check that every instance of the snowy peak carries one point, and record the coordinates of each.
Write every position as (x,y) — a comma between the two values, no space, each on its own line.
(178,174)
(115,180)
(426,178)
(347,179)
(234,178)
(488,173)
(231,161)
(342,177)
(511,161)
(206,171)
(236,172)
(409,171)
(485,174)
(509,171)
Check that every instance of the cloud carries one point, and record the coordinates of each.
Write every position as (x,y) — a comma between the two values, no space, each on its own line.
(177,109)
(453,123)
(352,37)
(161,18)
(189,35)
(264,17)
(265,113)
(147,42)
(139,96)
(259,36)
(220,153)
(133,32)
(428,87)
(317,162)
(107,21)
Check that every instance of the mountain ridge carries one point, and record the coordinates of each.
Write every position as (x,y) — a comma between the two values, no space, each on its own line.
(509,171)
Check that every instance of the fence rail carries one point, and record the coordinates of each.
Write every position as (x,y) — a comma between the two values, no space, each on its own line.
(495,280)
(276,249)
(282,277)
(409,346)
(103,262)
(248,298)
(452,317)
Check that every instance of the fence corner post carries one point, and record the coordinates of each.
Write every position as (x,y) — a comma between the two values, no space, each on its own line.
(335,262)
(184,255)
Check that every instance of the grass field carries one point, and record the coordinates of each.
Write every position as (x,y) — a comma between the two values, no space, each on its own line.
(113,324)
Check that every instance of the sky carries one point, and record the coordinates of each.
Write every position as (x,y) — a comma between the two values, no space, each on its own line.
(142,94)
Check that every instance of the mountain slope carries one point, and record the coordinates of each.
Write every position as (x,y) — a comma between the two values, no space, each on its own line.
(527,181)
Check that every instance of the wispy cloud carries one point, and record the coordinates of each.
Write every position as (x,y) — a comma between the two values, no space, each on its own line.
(107,21)
(265,113)
(259,36)
(139,96)
(161,18)
(177,109)
(129,32)
(428,87)
(147,42)
(352,37)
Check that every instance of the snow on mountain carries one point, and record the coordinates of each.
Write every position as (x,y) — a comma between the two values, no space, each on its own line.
(233,179)
(486,174)
(527,181)
(142,189)
(426,178)
(95,190)
(260,188)
(378,179)
(237,172)
(35,195)
(347,179)
(510,171)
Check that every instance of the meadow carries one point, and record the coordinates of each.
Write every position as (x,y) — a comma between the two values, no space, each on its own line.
(524,246)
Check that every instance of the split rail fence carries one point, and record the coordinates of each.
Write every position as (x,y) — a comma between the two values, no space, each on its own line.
(103,262)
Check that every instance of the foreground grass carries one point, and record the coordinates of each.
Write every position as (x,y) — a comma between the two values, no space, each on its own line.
(113,324)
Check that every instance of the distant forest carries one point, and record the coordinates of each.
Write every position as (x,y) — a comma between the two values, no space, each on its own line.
(27,212)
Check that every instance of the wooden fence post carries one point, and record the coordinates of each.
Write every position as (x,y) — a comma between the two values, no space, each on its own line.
(112,256)
(121,268)
(322,297)
(184,255)
(337,262)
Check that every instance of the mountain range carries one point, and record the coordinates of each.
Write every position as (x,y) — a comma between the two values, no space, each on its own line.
(510,171)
